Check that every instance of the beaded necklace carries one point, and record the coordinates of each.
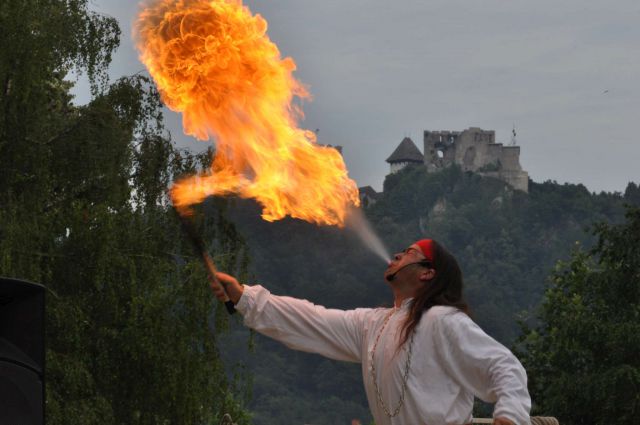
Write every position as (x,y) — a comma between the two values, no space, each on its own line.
(405,376)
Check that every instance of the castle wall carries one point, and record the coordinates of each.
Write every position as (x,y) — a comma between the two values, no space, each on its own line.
(449,155)
(439,149)
(465,152)
(473,150)
(494,153)
(397,166)
(511,158)
(429,149)
(518,179)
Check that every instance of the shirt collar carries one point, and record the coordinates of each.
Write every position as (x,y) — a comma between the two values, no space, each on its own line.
(404,305)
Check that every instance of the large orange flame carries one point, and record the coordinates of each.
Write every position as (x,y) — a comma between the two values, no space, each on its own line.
(214,63)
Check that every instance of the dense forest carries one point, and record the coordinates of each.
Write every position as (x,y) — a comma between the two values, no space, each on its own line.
(133,335)
(507,242)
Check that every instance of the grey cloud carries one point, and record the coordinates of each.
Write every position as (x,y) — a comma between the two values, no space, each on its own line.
(379,70)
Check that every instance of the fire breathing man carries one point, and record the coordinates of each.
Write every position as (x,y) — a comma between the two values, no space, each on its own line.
(423,360)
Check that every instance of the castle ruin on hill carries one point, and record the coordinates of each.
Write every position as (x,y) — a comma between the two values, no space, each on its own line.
(473,149)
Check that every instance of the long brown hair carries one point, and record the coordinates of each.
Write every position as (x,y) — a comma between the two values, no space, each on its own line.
(444,289)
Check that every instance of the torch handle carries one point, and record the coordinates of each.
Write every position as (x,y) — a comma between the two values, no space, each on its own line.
(211,270)
(209,265)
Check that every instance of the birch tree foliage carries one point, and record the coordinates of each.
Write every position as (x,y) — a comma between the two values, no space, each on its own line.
(132,328)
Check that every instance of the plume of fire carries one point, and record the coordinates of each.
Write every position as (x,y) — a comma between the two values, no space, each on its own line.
(213,62)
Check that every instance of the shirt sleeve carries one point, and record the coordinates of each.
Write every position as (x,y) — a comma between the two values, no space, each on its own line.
(483,366)
(302,325)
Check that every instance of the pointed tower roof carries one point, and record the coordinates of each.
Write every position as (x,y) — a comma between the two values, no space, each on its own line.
(407,151)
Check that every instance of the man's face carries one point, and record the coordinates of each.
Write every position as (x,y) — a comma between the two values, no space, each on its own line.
(412,254)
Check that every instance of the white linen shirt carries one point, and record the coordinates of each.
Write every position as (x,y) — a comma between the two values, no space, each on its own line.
(452,359)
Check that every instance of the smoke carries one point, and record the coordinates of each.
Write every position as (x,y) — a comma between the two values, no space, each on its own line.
(358,223)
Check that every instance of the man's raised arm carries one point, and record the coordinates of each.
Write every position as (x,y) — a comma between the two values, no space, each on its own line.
(299,324)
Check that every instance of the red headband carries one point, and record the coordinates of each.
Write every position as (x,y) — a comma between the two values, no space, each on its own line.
(426,246)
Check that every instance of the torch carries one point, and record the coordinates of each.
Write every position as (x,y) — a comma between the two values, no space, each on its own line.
(214,63)
(199,248)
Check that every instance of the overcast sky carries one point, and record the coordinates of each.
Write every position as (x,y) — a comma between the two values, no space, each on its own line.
(565,73)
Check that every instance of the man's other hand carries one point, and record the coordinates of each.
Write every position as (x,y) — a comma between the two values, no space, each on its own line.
(502,421)
(229,286)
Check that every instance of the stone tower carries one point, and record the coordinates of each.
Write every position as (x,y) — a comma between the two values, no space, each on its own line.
(406,153)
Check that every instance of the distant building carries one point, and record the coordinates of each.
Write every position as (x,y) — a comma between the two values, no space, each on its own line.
(472,149)
(406,153)
(368,196)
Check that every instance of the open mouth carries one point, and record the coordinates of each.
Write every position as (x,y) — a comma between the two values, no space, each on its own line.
(390,269)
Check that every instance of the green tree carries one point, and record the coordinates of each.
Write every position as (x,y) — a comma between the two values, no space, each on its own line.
(582,357)
(632,194)
(132,329)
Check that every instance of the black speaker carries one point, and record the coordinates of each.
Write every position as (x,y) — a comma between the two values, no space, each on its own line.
(21,352)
